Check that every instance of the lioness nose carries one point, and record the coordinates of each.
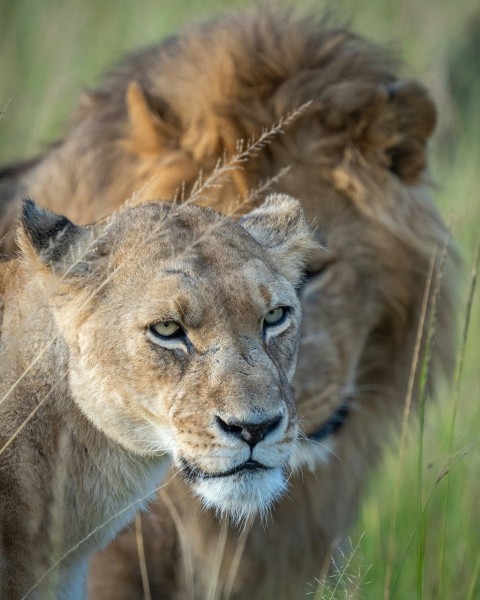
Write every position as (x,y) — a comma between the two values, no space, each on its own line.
(252,433)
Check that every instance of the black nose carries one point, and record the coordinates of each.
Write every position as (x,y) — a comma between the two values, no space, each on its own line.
(252,433)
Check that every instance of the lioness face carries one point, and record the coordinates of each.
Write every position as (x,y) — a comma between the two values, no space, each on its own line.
(182,331)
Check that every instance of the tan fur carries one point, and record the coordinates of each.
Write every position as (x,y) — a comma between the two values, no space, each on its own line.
(356,158)
(93,404)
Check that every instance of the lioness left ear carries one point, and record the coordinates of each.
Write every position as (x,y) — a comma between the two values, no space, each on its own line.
(45,235)
(279,225)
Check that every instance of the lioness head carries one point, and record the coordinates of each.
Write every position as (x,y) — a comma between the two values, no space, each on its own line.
(182,330)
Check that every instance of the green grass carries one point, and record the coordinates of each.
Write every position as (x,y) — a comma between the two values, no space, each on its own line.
(50,49)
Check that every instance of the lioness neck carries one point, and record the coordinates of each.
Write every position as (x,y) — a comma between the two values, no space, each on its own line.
(75,488)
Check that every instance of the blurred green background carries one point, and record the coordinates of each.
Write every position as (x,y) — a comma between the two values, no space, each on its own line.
(50,49)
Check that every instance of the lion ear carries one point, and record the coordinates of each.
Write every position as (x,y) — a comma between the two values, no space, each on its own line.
(45,236)
(415,116)
(147,133)
(280,226)
(391,122)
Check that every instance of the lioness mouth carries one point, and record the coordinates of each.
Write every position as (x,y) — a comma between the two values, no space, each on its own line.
(193,473)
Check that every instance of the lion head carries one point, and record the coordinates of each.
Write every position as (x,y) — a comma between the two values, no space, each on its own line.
(356,156)
(182,330)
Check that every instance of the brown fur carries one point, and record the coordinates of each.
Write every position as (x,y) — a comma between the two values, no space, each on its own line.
(92,403)
(356,158)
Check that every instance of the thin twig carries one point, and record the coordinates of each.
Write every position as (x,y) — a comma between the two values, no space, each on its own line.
(237,557)
(406,413)
(456,400)
(184,543)
(141,557)
(217,563)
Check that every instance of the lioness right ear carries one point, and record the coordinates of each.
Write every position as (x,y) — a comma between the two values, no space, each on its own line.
(279,225)
(45,236)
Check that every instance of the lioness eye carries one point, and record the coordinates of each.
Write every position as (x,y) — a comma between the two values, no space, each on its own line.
(167,329)
(169,335)
(275,316)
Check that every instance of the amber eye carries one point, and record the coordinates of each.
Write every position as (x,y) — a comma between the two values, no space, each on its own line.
(169,335)
(275,316)
(167,329)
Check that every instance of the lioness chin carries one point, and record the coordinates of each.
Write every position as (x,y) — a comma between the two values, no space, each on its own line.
(164,330)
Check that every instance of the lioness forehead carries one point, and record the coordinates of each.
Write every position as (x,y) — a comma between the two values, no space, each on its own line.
(160,220)
(188,263)
(195,291)
(183,235)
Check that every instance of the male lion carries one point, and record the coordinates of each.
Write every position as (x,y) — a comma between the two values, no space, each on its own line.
(112,362)
(356,157)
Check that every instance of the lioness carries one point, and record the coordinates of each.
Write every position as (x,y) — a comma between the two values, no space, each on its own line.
(113,360)
(356,157)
